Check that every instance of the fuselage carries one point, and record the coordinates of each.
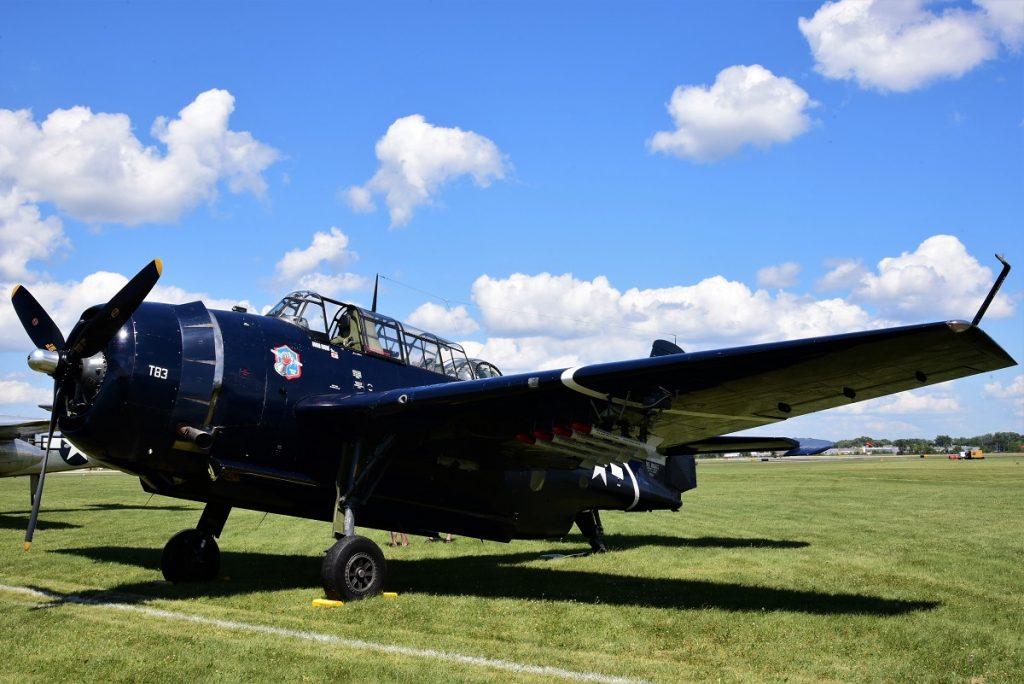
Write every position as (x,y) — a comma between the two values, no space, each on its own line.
(237,377)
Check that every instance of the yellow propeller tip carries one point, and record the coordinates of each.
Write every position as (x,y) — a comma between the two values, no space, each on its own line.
(28,545)
(15,291)
(159,266)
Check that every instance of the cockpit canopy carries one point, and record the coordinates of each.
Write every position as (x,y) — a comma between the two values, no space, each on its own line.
(368,332)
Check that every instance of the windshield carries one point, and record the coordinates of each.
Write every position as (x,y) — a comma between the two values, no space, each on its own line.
(305,309)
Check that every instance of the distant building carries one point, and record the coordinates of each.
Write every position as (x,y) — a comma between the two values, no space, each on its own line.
(862,450)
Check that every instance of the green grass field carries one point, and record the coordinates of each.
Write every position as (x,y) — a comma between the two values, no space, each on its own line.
(895,570)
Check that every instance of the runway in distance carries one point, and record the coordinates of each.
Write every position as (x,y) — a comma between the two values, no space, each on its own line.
(325,410)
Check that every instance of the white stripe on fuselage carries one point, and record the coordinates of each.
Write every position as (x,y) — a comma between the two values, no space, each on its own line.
(636,488)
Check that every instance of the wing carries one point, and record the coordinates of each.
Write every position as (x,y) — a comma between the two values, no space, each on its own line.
(12,428)
(656,407)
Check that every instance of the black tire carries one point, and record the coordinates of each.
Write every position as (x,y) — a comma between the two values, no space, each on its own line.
(190,556)
(353,569)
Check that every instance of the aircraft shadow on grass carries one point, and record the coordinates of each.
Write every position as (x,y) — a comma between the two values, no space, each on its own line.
(93,507)
(7,522)
(10,520)
(494,576)
(623,542)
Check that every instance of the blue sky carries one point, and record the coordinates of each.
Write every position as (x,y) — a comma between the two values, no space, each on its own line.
(549,184)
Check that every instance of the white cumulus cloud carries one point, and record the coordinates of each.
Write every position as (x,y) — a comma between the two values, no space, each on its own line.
(14,391)
(171,294)
(65,302)
(845,274)
(298,268)
(780,276)
(1015,390)
(417,159)
(939,400)
(905,45)
(332,285)
(25,235)
(446,321)
(330,248)
(1013,393)
(94,168)
(545,320)
(715,310)
(525,354)
(1006,19)
(939,278)
(918,402)
(747,105)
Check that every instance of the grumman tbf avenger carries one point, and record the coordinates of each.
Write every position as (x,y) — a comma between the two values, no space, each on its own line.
(325,410)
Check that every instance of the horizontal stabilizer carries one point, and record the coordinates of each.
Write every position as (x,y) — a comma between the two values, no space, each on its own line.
(739,443)
(809,447)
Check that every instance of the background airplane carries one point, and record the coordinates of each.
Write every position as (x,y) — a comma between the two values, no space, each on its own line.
(23,447)
(324,410)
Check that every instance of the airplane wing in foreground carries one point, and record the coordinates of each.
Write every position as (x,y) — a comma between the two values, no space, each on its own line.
(655,407)
(13,428)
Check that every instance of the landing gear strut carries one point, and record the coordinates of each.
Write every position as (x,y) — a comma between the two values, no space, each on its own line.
(193,555)
(589,523)
(354,567)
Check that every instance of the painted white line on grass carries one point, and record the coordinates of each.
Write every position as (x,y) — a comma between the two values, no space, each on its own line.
(357,644)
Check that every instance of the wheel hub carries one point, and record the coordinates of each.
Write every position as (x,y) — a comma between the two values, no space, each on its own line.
(360,571)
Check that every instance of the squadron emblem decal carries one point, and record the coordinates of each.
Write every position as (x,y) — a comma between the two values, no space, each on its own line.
(287,363)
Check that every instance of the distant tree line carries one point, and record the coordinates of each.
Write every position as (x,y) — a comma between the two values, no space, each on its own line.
(992,442)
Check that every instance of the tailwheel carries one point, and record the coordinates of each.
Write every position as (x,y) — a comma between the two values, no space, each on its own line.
(589,523)
(353,569)
(191,556)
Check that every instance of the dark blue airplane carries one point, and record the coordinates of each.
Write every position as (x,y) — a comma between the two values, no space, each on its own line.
(325,410)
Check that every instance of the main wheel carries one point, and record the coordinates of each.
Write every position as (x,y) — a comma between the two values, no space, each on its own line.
(353,569)
(190,556)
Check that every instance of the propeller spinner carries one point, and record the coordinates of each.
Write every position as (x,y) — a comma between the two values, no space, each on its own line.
(59,358)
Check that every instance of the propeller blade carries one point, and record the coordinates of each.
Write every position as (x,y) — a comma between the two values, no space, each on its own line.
(95,334)
(37,323)
(34,517)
